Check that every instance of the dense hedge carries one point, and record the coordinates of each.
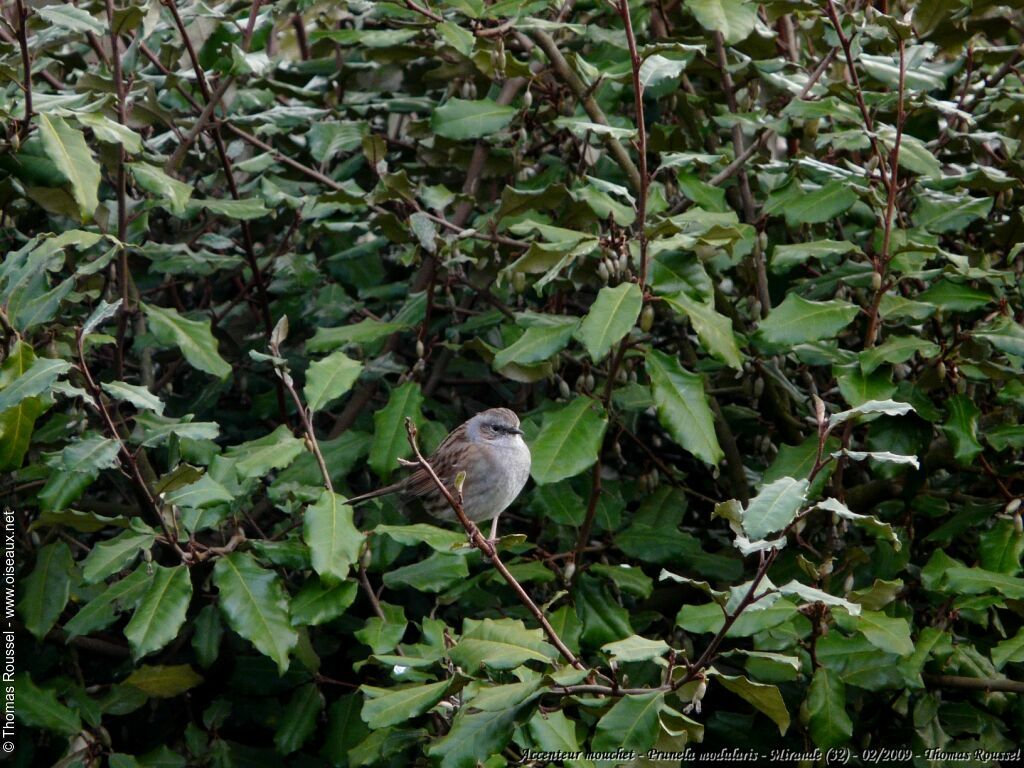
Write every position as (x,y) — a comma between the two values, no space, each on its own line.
(749,273)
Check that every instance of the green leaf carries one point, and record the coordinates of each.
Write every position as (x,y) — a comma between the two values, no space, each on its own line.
(797,320)
(46,589)
(329,379)
(811,595)
(499,644)
(36,379)
(255,606)
(714,329)
(885,632)
(390,440)
(383,634)
(475,737)
(460,119)
(707,618)
(873,524)
(333,539)
(115,554)
(955,297)
(636,648)
(317,604)
(735,19)
(164,682)
(632,723)
(363,332)
(961,428)
(1000,548)
(821,205)
(71,18)
(434,574)
(569,441)
(90,454)
(439,539)
(785,257)
(829,723)
(67,148)
(17,422)
(138,396)
(101,611)
(208,633)
(299,719)
(611,316)
(172,194)
(896,349)
(274,451)
(1009,651)
(764,698)
(389,706)
(39,708)
(161,611)
(192,337)
(537,344)
(204,492)
(683,407)
(978,581)
(1004,334)
(774,507)
(243,210)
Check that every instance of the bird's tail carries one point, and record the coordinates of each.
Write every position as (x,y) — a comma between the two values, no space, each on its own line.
(373,494)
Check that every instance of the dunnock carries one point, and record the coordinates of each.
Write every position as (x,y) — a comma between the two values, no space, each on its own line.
(490,449)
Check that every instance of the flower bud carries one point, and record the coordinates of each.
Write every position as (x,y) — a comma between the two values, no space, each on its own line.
(419,348)
(940,370)
(1012,506)
(563,389)
(1018,524)
(590,382)
(528,99)
(876,282)
(602,271)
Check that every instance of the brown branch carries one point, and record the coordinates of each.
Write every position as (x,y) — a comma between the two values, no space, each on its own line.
(746,197)
(488,549)
(641,139)
(590,105)
(973,683)
(26,63)
(141,486)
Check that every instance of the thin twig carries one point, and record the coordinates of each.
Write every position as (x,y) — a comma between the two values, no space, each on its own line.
(488,549)
(641,139)
(26,62)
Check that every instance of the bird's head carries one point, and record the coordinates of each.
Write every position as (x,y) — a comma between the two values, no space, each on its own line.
(494,424)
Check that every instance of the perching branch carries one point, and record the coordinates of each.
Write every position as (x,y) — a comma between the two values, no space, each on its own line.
(478,541)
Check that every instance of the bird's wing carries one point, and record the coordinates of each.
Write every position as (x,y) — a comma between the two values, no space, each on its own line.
(443,463)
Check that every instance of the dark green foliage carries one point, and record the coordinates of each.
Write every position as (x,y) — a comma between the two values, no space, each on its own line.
(774,402)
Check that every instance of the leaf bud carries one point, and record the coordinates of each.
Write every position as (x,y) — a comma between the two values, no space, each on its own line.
(518,282)
(647,318)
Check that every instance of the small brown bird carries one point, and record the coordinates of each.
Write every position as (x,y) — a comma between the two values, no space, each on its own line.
(490,449)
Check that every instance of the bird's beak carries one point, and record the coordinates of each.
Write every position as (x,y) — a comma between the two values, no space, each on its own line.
(517,431)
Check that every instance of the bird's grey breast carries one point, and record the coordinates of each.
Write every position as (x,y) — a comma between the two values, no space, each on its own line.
(510,459)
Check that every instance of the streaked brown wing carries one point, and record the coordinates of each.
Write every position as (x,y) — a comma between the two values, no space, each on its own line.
(442,462)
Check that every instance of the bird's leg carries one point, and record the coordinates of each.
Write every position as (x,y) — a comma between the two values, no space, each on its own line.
(494,530)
